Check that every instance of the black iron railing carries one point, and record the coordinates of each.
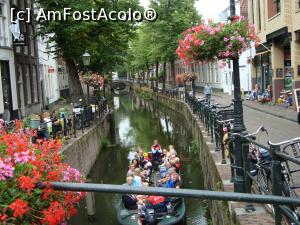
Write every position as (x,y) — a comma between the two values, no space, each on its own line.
(273,176)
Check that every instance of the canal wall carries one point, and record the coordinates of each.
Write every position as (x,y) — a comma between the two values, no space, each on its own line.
(217,175)
(82,152)
(219,210)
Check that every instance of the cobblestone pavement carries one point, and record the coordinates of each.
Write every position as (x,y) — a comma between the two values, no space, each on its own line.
(279,127)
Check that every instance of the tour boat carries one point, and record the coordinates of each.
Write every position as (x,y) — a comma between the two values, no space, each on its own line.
(130,217)
(175,215)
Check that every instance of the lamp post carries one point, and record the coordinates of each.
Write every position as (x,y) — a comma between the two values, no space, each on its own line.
(86,58)
(238,127)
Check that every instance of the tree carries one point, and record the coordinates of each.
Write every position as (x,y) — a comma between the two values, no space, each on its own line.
(157,41)
(106,41)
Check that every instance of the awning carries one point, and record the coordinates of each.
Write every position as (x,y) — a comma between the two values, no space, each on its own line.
(261,53)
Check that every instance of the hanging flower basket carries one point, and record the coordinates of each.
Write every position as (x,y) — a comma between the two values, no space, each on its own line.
(179,79)
(26,167)
(92,79)
(214,41)
(189,77)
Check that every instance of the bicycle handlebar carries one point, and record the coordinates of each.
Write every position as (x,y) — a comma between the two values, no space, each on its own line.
(285,142)
(225,121)
(260,129)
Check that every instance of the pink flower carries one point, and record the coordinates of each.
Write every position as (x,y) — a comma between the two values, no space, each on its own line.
(232,38)
(226,39)
(22,157)
(6,171)
(240,39)
(227,53)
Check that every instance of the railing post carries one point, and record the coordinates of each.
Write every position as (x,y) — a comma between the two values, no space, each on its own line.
(211,122)
(217,135)
(248,182)
(82,120)
(231,160)
(276,181)
(221,133)
(74,124)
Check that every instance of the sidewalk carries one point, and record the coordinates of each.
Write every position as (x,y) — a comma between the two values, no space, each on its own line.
(277,111)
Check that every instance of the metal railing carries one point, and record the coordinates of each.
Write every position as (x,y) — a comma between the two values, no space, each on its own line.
(89,114)
(274,176)
(187,193)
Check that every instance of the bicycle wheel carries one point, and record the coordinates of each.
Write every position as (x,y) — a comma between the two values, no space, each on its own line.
(263,181)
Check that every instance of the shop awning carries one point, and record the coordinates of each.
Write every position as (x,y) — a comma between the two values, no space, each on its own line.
(261,53)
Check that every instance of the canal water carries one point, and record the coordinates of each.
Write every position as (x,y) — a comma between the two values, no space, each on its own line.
(138,123)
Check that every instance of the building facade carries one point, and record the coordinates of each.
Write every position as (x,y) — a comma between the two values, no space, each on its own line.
(49,76)
(8,94)
(277,60)
(27,65)
(219,74)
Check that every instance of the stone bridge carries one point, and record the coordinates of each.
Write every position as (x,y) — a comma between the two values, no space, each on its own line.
(122,86)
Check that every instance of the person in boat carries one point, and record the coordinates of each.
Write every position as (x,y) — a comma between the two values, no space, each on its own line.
(156,151)
(137,180)
(158,203)
(129,201)
(172,150)
(163,182)
(176,163)
(166,168)
(175,180)
(135,162)
(131,169)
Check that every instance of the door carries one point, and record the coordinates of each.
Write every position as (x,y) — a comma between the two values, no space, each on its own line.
(6,89)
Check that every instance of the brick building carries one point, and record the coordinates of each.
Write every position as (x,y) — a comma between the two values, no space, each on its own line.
(277,60)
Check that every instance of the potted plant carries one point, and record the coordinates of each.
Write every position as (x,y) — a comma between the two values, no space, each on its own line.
(214,41)
(25,180)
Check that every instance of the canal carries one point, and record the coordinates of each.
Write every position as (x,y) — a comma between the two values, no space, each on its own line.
(138,123)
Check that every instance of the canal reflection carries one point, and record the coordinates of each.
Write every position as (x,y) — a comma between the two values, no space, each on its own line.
(138,123)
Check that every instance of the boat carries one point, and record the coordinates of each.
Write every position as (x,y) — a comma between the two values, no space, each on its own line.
(130,217)
(174,216)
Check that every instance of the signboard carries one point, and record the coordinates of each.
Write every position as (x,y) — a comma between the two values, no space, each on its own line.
(297,98)
(21,41)
(279,72)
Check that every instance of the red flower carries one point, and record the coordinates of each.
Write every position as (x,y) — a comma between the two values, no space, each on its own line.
(55,214)
(26,183)
(19,207)
(3,217)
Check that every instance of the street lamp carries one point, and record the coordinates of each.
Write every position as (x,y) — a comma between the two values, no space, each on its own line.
(86,58)
(238,127)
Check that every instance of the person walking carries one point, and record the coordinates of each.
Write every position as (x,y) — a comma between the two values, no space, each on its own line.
(207,92)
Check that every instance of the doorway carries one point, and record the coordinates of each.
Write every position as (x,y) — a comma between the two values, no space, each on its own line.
(6,89)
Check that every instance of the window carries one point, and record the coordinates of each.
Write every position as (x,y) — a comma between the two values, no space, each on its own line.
(34,84)
(274,7)
(28,85)
(298,3)
(31,35)
(3,26)
(259,15)
(1,9)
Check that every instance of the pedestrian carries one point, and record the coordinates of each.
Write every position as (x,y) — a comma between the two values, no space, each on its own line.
(207,92)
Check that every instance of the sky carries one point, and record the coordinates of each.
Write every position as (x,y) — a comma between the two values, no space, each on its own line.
(209,9)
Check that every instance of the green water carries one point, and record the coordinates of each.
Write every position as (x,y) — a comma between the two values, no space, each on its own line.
(138,123)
